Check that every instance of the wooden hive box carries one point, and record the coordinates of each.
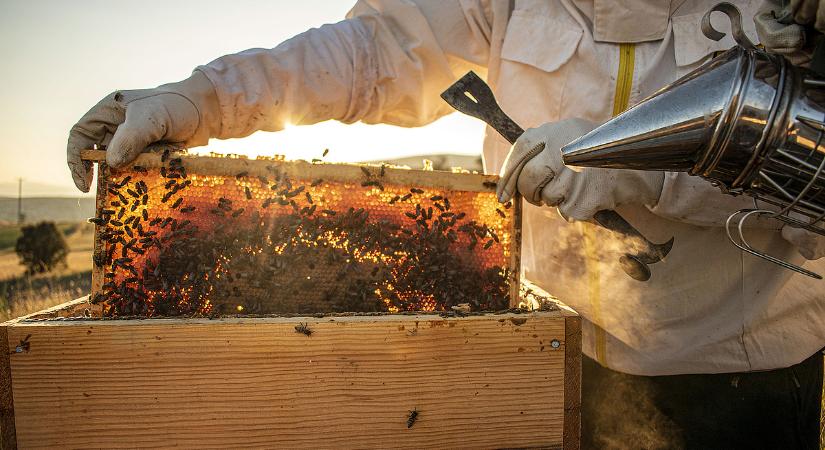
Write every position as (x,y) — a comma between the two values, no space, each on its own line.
(76,377)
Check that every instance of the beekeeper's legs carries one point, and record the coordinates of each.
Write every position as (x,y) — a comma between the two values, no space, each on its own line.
(771,409)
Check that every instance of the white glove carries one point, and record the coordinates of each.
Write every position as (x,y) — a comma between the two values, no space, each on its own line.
(185,113)
(534,167)
(810,245)
(809,12)
(779,35)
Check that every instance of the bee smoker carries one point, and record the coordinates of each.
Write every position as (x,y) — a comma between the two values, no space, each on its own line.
(748,121)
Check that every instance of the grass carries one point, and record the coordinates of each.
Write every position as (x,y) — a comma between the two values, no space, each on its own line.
(21,294)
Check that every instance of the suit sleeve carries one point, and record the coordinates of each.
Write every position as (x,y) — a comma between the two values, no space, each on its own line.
(386,63)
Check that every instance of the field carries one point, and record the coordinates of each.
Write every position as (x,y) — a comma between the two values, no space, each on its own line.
(21,294)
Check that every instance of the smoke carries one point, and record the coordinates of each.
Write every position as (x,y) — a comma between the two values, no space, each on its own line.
(620,412)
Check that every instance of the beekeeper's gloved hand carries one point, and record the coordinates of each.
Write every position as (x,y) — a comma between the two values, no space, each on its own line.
(779,33)
(534,167)
(809,12)
(810,245)
(185,113)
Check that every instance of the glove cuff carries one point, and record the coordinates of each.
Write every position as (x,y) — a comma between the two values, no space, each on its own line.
(199,91)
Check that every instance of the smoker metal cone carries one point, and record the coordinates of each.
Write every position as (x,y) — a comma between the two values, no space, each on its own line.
(669,130)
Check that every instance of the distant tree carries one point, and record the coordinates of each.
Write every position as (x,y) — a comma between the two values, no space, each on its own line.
(41,247)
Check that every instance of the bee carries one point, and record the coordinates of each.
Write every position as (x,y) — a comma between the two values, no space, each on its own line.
(97,220)
(170,183)
(248,193)
(165,155)
(187,209)
(446,203)
(490,184)
(508,205)
(326,152)
(240,175)
(237,212)
(309,197)
(412,417)
(145,214)
(177,202)
(163,172)
(500,213)
(405,197)
(303,328)
(124,181)
(316,182)
(366,171)
(329,212)
(140,169)
(381,173)
(145,199)
(488,244)
(132,193)
(416,191)
(24,345)
(436,198)
(395,199)
(266,203)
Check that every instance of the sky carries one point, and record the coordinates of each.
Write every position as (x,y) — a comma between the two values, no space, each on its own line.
(59,58)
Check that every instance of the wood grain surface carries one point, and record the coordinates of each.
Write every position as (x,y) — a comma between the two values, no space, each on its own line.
(206,165)
(487,381)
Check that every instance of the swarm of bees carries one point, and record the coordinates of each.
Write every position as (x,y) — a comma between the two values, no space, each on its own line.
(177,243)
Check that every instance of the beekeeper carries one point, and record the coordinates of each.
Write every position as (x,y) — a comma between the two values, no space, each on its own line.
(723,347)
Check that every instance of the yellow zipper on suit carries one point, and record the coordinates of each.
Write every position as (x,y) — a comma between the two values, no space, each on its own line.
(621,98)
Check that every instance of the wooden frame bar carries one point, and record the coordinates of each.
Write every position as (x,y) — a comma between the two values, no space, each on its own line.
(481,381)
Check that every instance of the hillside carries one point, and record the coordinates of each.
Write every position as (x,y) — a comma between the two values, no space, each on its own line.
(48,208)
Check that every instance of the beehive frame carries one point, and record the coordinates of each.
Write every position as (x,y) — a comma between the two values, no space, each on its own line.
(393,178)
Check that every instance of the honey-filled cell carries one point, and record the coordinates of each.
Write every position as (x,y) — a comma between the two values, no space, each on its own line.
(204,236)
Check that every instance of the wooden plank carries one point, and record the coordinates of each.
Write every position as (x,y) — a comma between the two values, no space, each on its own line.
(8,436)
(572,382)
(479,381)
(206,165)
(515,251)
(99,252)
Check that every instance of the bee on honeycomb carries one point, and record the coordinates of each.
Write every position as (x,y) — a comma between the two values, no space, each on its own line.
(176,241)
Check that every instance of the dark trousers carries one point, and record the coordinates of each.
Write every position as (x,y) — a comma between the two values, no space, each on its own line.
(776,409)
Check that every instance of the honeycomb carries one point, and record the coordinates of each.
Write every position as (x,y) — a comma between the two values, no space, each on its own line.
(203,236)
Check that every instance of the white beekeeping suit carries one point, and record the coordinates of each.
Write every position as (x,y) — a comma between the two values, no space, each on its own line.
(708,307)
